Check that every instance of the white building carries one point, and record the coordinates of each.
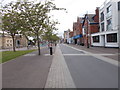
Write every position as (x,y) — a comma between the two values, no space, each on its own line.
(109,24)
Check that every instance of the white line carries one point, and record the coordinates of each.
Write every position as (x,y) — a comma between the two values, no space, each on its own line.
(48,55)
(111,61)
(87,54)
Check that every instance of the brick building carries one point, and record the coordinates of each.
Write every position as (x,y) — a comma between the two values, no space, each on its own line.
(77,31)
(90,26)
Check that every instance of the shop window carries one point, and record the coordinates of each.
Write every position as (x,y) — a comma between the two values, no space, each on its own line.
(112,37)
(95,38)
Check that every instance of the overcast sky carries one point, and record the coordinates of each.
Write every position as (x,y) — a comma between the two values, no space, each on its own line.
(75,8)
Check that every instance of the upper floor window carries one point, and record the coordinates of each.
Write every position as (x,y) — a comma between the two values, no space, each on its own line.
(109,24)
(102,16)
(7,41)
(108,9)
(102,26)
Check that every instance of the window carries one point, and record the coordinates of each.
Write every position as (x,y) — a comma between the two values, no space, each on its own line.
(112,37)
(7,41)
(102,26)
(119,6)
(109,9)
(95,38)
(10,41)
(102,16)
(7,44)
(109,24)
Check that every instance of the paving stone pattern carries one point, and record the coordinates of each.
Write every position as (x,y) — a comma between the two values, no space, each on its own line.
(59,75)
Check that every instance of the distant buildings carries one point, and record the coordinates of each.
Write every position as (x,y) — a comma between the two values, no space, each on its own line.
(99,29)
(7,41)
(77,31)
(67,36)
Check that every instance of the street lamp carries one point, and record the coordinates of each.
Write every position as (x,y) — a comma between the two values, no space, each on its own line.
(87,32)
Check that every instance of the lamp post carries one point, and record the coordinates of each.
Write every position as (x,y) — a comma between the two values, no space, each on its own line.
(87,32)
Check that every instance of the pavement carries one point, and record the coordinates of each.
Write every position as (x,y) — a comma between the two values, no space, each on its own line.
(28,71)
(111,53)
(71,66)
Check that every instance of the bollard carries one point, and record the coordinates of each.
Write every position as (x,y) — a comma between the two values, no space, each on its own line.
(51,51)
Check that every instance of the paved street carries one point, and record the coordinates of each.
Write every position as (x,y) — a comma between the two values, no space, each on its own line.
(69,67)
(84,70)
(28,71)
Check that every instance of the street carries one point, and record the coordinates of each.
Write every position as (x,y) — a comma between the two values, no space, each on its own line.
(69,67)
(88,71)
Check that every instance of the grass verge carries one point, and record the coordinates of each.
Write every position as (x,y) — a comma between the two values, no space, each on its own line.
(8,55)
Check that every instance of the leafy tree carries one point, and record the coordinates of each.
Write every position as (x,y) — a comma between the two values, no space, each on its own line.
(28,18)
(10,20)
(49,34)
(35,17)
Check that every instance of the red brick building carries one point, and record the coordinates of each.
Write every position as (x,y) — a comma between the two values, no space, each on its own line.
(77,30)
(90,26)
(71,34)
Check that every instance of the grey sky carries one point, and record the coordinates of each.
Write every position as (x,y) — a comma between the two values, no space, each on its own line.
(75,8)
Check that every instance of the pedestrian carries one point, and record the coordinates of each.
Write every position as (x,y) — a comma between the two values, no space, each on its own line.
(55,44)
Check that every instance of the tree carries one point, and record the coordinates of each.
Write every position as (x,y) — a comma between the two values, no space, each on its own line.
(35,17)
(28,18)
(49,34)
(10,20)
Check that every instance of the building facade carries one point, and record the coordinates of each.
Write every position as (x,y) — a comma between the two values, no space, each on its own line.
(108,21)
(7,41)
(90,26)
(67,36)
(77,31)
(71,37)
(21,41)
(119,22)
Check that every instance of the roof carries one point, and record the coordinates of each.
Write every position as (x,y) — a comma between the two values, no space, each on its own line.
(90,18)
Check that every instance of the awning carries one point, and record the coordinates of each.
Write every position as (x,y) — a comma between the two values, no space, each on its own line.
(77,36)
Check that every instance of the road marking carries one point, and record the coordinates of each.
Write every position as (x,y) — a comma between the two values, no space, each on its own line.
(59,75)
(87,54)
(98,56)
(48,55)
(30,54)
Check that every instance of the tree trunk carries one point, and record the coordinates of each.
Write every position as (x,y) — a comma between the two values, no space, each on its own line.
(38,43)
(13,43)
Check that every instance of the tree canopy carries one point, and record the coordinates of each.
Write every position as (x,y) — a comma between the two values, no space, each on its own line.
(30,18)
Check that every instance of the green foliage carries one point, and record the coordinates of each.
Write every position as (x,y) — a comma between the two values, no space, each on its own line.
(30,19)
